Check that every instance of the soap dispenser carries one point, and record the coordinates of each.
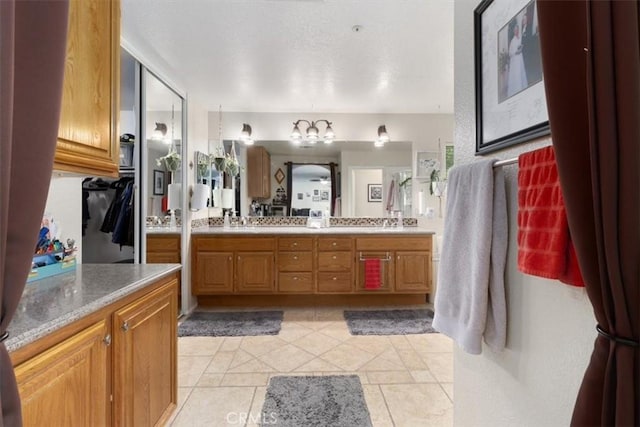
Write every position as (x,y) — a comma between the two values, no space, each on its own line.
(226,223)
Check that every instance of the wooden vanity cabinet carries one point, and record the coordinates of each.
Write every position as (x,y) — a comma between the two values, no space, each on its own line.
(69,382)
(224,265)
(335,264)
(295,265)
(258,172)
(88,140)
(116,366)
(413,271)
(164,249)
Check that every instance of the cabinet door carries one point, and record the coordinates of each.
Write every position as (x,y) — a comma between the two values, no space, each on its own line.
(254,271)
(68,384)
(145,358)
(413,271)
(367,282)
(213,273)
(88,140)
(258,173)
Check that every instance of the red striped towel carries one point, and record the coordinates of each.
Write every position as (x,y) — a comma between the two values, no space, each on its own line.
(545,248)
(372,273)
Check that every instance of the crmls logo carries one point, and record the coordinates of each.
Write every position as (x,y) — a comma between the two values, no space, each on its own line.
(243,418)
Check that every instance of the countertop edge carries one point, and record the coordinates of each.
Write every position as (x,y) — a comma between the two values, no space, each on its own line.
(26,338)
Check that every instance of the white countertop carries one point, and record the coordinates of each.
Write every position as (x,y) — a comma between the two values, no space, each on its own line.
(305,230)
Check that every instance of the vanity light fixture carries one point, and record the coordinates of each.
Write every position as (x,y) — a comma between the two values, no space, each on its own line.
(245,134)
(383,136)
(312,134)
(159,132)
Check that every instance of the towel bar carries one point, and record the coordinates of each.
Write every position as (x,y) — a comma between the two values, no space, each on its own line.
(387,257)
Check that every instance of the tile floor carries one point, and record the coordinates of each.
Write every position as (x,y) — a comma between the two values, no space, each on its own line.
(407,379)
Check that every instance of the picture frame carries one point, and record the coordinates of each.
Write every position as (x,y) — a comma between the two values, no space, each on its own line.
(374,192)
(158,183)
(300,196)
(511,106)
(426,163)
(316,192)
(447,159)
(324,195)
(316,198)
(279,175)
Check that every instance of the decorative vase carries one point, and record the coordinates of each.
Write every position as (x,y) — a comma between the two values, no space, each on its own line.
(227,198)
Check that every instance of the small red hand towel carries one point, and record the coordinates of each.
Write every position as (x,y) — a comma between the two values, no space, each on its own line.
(372,273)
(545,248)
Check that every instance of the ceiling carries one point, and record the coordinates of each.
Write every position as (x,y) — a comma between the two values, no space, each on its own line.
(320,149)
(301,55)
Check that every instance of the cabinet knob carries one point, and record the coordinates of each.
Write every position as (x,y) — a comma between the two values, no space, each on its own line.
(335,278)
(334,257)
(295,243)
(125,326)
(229,258)
(295,257)
(295,277)
(107,340)
(238,257)
(334,243)
(398,258)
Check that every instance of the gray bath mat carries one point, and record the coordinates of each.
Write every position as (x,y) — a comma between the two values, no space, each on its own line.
(231,324)
(336,401)
(389,322)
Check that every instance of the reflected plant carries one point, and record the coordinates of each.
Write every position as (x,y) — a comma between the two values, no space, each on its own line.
(171,161)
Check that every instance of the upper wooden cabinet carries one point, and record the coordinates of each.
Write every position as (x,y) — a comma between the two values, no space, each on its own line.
(88,140)
(258,173)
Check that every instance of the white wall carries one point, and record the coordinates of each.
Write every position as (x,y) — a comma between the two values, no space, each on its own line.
(361,179)
(64,204)
(551,327)
(307,189)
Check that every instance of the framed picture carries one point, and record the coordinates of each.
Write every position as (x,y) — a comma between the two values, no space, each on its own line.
(316,198)
(447,159)
(324,195)
(300,196)
(427,163)
(511,106)
(279,176)
(374,193)
(316,192)
(158,183)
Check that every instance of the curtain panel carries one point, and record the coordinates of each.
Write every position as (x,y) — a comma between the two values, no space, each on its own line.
(591,62)
(32,51)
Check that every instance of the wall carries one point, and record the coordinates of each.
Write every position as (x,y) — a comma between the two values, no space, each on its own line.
(361,179)
(64,204)
(307,188)
(551,328)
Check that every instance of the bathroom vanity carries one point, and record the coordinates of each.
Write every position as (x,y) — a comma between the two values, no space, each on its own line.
(265,265)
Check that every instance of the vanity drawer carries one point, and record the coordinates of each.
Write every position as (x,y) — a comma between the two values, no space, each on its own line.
(295,243)
(335,261)
(335,282)
(168,243)
(295,282)
(295,261)
(335,243)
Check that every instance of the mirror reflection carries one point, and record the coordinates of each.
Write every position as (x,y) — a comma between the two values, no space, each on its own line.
(311,190)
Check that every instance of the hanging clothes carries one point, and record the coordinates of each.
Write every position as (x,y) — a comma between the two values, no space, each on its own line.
(111,217)
(123,228)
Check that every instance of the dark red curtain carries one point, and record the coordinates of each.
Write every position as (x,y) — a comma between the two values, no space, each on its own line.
(32,55)
(591,61)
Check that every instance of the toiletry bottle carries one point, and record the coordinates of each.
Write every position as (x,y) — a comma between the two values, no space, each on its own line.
(226,223)
(326,219)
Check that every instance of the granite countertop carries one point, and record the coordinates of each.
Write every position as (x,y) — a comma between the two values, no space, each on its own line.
(54,302)
(163,230)
(305,230)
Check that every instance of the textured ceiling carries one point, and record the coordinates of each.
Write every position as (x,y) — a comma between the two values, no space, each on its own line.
(301,55)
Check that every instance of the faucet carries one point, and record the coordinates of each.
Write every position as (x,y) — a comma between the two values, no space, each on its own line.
(243,221)
(385,223)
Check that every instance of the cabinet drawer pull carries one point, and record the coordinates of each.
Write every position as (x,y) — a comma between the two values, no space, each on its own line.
(295,257)
(335,278)
(229,258)
(107,340)
(295,243)
(125,326)
(295,277)
(334,244)
(335,257)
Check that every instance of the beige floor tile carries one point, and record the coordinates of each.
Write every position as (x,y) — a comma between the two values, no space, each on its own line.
(245,379)
(329,314)
(287,358)
(316,343)
(292,331)
(256,417)
(299,315)
(413,405)
(400,342)
(209,380)
(183,394)
(316,325)
(240,358)
(318,365)
(390,377)
(431,343)
(375,344)
(340,333)
(440,365)
(382,364)
(218,406)
(231,344)
(254,365)
(190,368)
(423,376)
(412,360)
(220,362)
(347,357)
(198,346)
(380,416)
(260,345)
(448,388)
(361,375)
